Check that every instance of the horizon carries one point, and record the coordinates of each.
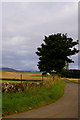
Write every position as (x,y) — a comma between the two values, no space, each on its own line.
(26,69)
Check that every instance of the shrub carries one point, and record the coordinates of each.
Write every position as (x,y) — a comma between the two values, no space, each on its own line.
(72,73)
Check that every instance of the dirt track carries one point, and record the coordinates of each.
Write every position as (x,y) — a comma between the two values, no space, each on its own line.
(65,107)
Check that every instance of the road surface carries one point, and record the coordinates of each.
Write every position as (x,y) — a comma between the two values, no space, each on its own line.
(65,107)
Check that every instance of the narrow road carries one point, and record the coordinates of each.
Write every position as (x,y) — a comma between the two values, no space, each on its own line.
(65,107)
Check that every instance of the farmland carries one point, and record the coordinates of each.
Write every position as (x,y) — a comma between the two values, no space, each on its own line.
(8,75)
(13,76)
(73,80)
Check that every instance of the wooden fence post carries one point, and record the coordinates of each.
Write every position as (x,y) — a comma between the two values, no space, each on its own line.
(21,78)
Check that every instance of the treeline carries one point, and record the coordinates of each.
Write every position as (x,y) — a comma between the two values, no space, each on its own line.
(72,73)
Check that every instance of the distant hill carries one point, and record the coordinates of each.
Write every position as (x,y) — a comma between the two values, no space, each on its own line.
(11,69)
(7,69)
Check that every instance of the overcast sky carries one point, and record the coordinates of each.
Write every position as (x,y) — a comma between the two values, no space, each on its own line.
(25,25)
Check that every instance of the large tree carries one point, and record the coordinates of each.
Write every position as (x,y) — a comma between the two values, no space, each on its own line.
(55,52)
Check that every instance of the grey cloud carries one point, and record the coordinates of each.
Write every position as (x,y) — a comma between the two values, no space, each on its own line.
(25,24)
(74,65)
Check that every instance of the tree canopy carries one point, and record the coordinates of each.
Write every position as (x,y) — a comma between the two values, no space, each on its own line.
(55,52)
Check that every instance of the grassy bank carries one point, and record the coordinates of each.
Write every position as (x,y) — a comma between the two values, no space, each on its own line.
(26,100)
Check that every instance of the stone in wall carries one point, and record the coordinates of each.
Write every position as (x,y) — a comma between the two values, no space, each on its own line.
(14,87)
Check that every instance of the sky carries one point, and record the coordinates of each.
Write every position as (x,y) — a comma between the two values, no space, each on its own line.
(24,25)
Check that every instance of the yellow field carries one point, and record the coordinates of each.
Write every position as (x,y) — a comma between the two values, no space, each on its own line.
(20,75)
(17,75)
(72,79)
(25,76)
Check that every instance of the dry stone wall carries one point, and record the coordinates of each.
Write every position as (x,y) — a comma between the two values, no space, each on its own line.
(14,87)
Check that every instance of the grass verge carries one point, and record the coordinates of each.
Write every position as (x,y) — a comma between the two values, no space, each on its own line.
(34,98)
